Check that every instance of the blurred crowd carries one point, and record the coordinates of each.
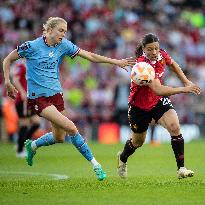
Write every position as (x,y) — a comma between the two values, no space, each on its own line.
(97,93)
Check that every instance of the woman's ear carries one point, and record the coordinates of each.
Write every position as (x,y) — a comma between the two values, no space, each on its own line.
(49,29)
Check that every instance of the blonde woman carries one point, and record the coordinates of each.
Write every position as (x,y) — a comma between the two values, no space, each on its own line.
(43,58)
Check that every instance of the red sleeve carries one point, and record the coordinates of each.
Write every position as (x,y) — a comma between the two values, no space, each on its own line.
(166,56)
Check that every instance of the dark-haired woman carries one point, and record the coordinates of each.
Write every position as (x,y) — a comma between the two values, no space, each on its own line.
(152,102)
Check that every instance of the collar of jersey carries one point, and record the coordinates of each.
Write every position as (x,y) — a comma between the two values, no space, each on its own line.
(153,62)
(44,39)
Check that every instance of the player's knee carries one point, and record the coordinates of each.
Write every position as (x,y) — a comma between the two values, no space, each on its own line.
(71,130)
(174,128)
(138,141)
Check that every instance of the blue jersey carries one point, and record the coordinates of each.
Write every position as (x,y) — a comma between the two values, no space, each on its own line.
(42,63)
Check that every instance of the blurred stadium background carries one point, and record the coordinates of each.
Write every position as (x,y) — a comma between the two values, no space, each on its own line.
(96,95)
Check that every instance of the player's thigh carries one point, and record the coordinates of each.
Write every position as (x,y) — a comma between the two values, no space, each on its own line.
(170,121)
(138,119)
(139,122)
(55,117)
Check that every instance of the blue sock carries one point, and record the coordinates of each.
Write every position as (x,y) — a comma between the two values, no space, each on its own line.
(45,140)
(79,142)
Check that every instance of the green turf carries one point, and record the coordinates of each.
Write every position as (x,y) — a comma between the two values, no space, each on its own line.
(151,177)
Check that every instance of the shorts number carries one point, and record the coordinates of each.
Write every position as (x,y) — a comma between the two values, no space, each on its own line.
(166,101)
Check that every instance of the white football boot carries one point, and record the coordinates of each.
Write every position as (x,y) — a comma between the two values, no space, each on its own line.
(21,154)
(184,173)
(121,167)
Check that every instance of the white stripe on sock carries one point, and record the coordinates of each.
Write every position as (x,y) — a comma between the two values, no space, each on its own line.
(33,145)
(94,162)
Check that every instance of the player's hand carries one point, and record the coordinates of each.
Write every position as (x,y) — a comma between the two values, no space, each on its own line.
(193,89)
(11,90)
(126,62)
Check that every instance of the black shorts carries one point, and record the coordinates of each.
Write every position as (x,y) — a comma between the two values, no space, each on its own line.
(22,110)
(139,119)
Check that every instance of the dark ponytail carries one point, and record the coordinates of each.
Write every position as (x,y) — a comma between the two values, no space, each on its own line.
(139,51)
(148,38)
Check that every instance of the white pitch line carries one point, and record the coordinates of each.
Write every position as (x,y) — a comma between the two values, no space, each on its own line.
(55,176)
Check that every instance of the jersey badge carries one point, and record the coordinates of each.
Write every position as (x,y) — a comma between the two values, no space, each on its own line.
(51,54)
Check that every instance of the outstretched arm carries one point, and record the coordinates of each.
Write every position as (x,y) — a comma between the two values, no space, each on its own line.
(102,59)
(163,90)
(11,90)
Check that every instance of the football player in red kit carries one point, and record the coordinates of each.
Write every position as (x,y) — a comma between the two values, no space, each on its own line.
(152,102)
(28,121)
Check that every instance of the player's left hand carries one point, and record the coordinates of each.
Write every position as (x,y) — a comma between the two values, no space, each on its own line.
(190,84)
(126,62)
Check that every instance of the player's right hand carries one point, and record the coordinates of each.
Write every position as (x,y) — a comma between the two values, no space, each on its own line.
(11,90)
(193,89)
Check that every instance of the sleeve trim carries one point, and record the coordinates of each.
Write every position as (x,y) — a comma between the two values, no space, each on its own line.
(76,53)
(18,52)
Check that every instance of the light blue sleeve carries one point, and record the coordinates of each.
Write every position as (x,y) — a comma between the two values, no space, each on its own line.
(25,50)
(71,49)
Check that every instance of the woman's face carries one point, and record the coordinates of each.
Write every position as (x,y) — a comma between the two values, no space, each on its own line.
(152,50)
(57,33)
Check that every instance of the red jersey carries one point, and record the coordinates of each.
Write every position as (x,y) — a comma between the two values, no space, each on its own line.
(142,96)
(20,72)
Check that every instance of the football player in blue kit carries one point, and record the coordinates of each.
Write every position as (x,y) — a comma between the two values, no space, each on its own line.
(43,58)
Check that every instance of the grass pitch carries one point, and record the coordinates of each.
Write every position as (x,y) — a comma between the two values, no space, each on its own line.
(151,177)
